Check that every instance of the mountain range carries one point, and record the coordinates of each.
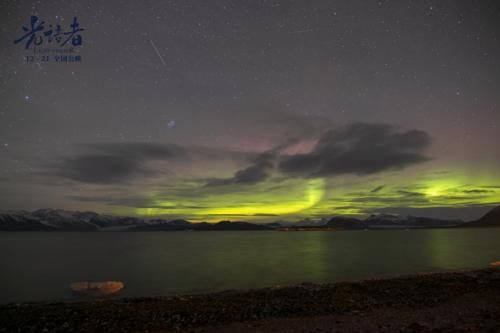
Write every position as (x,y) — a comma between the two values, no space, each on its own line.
(63,220)
(389,221)
(490,219)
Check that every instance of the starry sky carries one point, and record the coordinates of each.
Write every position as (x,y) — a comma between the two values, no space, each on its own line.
(258,110)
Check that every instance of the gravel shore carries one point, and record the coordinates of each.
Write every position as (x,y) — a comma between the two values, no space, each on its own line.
(467,301)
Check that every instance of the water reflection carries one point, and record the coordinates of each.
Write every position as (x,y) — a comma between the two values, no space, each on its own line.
(40,266)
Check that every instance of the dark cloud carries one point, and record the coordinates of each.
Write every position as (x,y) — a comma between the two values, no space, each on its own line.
(136,150)
(478,191)
(392,200)
(359,149)
(101,169)
(377,189)
(114,163)
(411,193)
(254,173)
(259,170)
(117,163)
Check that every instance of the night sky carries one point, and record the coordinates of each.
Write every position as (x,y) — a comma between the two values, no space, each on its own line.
(257,110)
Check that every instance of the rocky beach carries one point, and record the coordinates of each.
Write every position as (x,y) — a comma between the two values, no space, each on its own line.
(464,301)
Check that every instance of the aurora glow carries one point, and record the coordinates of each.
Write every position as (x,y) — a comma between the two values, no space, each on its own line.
(297,199)
(250,111)
(293,197)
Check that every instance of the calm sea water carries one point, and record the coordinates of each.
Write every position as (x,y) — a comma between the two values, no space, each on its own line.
(40,266)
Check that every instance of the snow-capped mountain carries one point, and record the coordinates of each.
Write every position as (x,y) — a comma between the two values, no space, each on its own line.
(58,219)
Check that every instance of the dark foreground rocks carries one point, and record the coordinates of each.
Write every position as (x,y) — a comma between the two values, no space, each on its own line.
(441,302)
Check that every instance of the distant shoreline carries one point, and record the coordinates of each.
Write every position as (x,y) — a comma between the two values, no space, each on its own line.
(62,220)
(415,303)
(284,229)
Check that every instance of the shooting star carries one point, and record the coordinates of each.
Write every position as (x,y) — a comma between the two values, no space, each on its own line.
(158,53)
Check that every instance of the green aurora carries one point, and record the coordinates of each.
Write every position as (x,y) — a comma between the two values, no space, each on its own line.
(255,110)
(293,199)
